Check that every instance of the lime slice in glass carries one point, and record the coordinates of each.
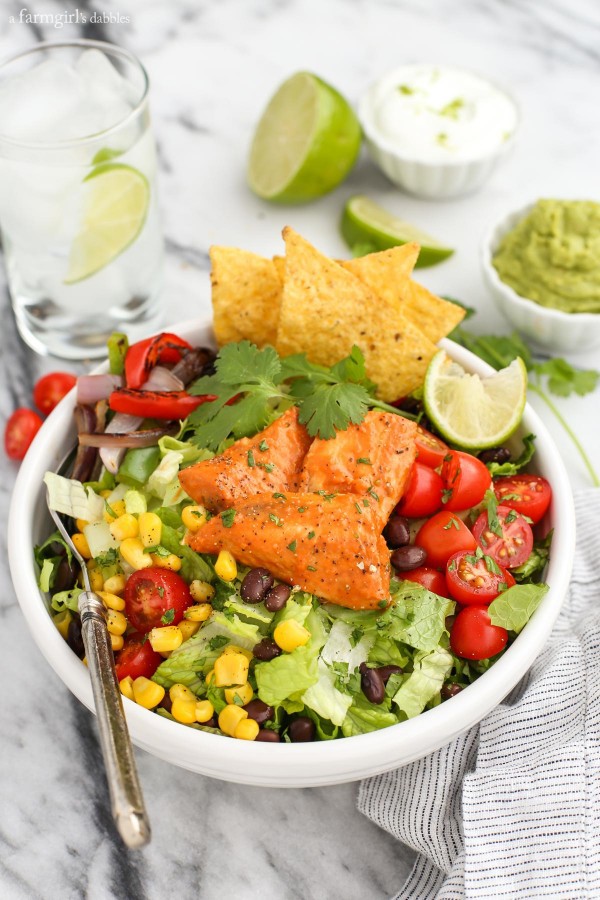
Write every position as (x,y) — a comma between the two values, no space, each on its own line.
(365,224)
(305,143)
(471,411)
(115,207)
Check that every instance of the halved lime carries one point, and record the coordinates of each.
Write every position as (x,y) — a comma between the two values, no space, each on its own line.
(305,143)
(115,208)
(471,411)
(365,224)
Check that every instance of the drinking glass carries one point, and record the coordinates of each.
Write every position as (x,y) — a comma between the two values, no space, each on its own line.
(78,205)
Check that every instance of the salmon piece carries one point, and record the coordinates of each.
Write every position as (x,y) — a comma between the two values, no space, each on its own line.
(372,459)
(328,545)
(270,461)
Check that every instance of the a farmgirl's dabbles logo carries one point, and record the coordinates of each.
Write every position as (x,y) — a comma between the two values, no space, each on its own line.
(75,17)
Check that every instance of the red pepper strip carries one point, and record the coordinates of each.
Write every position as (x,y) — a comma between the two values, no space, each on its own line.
(144,355)
(156,404)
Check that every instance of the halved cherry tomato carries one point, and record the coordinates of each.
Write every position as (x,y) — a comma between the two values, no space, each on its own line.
(423,494)
(430,449)
(466,479)
(475,580)
(144,355)
(474,637)
(156,404)
(431,579)
(443,535)
(19,432)
(512,541)
(150,593)
(50,389)
(137,658)
(528,494)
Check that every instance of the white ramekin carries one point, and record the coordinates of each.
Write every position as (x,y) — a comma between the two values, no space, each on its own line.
(549,328)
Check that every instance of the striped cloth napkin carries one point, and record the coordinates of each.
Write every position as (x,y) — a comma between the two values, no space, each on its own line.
(512,807)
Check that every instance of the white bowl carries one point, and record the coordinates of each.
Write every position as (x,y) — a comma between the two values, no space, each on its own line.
(285,765)
(433,180)
(549,328)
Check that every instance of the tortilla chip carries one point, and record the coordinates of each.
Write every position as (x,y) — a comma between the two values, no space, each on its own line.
(246,294)
(325,309)
(388,274)
(279,263)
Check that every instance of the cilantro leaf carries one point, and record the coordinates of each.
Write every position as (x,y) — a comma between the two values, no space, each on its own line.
(515,465)
(332,408)
(564,379)
(513,608)
(168,616)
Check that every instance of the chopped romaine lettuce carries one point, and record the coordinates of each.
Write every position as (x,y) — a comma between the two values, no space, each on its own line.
(324,697)
(364,716)
(417,618)
(287,675)
(514,608)
(66,600)
(71,498)
(430,670)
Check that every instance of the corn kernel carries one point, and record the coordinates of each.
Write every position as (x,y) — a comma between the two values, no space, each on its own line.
(115,584)
(84,661)
(126,685)
(80,524)
(225,566)
(202,591)
(132,551)
(62,620)
(126,526)
(147,693)
(96,579)
(117,507)
(171,561)
(111,601)
(290,634)
(230,717)
(188,629)
(166,639)
(200,612)
(181,692)
(246,730)
(231,668)
(209,677)
(116,622)
(81,545)
(184,711)
(116,641)
(204,711)
(233,648)
(194,517)
(243,692)
(150,527)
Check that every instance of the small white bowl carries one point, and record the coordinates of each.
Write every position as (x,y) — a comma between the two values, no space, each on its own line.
(548,328)
(430,179)
(285,765)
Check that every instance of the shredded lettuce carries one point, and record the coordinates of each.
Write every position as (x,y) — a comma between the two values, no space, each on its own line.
(430,670)
(189,452)
(71,498)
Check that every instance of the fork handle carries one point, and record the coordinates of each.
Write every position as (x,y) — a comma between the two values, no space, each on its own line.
(127,802)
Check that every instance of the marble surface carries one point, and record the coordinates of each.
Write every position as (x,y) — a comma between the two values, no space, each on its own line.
(212,67)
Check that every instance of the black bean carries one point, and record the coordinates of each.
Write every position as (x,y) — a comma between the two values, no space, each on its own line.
(255,585)
(277,597)
(212,723)
(449,622)
(166,702)
(301,730)
(74,638)
(267,736)
(397,532)
(66,575)
(386,672)
(495,454)
(371,683)
(266,650)
(408,557)
(259,711)
(450,690)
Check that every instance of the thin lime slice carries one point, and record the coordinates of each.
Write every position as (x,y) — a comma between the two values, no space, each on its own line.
(115,207)
(306,142)
(366,224)
(471,411)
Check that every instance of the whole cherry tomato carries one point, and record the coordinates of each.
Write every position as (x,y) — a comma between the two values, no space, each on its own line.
(509,542)
(423,494)
(443,535)
(137,658)
(474,637)
(50,389)
(475,580)
(430,449)
(528,494)
(466,479)
(431,579)
(20,431)
(152,592)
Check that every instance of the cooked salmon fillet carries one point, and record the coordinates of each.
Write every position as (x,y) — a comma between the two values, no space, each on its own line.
(372,459)
(270,461)
(328,544)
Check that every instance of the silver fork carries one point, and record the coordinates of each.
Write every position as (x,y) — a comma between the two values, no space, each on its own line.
(127,802)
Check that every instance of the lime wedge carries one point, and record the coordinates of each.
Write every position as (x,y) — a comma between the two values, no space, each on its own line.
(305,143)
(115,207)
(366,224)
(470,411)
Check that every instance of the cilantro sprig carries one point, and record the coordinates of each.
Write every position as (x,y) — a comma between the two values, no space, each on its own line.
(252,387)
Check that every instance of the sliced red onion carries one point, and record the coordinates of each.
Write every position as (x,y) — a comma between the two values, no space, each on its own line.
(161,379)
(121,423)
(91,388)
(147,438)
